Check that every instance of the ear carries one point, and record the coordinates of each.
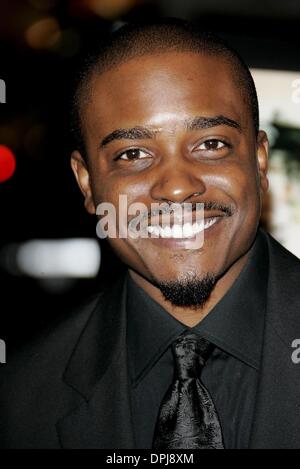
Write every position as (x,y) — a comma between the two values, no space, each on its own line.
(81,172)
(262,159)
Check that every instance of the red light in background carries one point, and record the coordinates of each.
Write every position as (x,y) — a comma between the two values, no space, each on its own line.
(7,163)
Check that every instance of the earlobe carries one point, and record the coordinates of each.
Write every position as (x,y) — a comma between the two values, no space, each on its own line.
(262,159)
(81,173)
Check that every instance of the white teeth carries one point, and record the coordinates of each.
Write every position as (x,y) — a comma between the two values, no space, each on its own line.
(166,232)
(197,228)
(210,222)
(177,231)
(156,230)
(188,230)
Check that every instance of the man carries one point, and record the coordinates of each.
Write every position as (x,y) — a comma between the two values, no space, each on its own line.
(167,114)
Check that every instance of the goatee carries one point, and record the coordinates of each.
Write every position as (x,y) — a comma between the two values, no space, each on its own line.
(188,292)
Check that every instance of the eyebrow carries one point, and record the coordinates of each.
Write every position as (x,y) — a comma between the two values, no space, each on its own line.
(196,123)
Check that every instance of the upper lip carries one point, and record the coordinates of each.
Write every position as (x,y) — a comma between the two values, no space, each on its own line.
(214,214)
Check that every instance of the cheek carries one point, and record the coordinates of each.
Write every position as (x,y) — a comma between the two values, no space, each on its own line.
(245,187)
(122,193)
(109,188)
(241,183)
(249,189)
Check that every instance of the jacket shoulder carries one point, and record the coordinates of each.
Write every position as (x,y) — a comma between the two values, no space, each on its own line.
(281,258)
(32,392)
(54,343)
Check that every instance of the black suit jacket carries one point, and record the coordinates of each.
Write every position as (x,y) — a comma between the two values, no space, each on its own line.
(70,388)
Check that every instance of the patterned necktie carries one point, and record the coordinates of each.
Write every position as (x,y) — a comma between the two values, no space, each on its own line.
(187,417)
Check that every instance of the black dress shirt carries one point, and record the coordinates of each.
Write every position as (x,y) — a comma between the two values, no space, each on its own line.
(235,326)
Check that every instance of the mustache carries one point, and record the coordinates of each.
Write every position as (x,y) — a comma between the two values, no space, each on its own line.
(227,209)
(166,208)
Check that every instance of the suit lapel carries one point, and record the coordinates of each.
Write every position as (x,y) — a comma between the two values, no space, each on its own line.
(98,371)
(277,415)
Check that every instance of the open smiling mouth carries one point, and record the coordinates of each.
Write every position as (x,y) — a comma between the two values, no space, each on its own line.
(179,229)
(182,231)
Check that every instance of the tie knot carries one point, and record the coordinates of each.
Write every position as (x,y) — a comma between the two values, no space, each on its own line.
(191,352)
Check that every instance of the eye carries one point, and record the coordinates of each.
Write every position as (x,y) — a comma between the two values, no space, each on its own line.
(132,154)
(212,145)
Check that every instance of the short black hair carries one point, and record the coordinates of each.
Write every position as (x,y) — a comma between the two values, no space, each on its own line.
(137,40)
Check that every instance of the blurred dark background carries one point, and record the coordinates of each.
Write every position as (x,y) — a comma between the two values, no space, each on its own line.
(41,44)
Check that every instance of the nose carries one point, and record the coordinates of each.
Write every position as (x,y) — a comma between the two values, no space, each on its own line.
(178,183)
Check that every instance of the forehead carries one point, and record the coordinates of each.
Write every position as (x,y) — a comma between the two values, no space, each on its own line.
(163,89)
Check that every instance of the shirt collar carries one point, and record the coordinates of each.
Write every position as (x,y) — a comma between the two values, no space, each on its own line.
(235,324)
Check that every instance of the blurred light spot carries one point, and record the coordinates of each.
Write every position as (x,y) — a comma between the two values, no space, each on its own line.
(110,9)
(43,34)
(68,258)
(7,163)
(117,25)
(275,96)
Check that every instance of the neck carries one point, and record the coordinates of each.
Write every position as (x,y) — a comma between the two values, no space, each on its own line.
(190,316)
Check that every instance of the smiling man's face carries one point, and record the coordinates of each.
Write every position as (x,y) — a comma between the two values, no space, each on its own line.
(195,142)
